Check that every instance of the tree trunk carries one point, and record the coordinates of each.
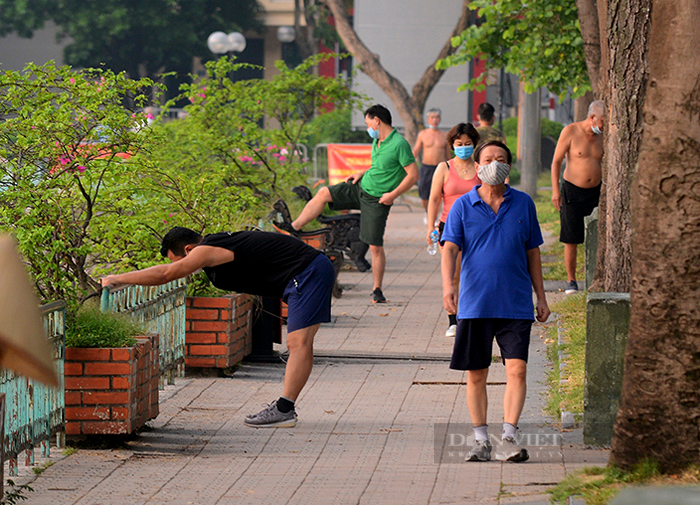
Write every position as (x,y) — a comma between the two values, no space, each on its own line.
(529,139)
(659,415)
(304,36)
(590,32)
(626,88)
(581,106)
(410,108)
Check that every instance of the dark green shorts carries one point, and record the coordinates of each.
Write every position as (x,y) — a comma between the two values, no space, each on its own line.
(347,195)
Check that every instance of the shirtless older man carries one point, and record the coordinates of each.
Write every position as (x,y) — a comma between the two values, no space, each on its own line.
(582,145)
(433,143)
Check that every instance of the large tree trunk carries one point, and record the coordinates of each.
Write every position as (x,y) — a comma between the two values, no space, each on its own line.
(628,32)
(410,108)
(581,106)
(659,414)
(590,32)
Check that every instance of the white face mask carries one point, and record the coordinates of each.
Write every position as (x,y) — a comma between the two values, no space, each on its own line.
(494,173)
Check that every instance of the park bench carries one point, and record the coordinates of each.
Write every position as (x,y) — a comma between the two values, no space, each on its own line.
(338,237)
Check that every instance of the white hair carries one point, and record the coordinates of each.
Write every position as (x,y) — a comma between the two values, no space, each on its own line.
(596,108)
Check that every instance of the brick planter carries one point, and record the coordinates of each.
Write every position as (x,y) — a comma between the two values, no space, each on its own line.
(112,391)
(218,330)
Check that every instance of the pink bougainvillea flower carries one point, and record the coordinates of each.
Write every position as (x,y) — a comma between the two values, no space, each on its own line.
(80,169)
(283,158)
(284,152)
(72,80)
(192,99)
(202,95)
(246,159)
(149,116)
(63,160)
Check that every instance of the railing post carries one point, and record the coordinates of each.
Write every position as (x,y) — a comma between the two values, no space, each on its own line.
(104,301)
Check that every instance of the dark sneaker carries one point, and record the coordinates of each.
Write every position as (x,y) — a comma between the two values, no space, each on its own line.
(571,288)
(287,227)
(508,450)
(271,417)
(481,451)
(378,296)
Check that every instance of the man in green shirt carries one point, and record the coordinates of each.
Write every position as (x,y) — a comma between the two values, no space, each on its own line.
(393,172)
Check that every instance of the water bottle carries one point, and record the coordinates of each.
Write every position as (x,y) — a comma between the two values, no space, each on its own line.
(433,247)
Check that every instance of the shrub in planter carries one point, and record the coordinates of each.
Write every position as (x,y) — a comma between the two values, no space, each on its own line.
(112,374)
(218,331)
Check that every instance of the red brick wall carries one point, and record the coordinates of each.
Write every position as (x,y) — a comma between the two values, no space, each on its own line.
(218,330)
(112,391)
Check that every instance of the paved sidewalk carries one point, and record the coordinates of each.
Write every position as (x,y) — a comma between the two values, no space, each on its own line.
(381,421)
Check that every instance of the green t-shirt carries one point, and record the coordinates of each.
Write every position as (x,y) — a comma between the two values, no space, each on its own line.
(388,160)
(488,133)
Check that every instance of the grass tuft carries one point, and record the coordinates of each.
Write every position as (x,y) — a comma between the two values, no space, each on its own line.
(599,485)
(92,328)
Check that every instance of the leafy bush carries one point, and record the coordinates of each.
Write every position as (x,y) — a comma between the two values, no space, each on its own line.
(89,188)
(64,137)
(198,284)
(91,328)
(334,128)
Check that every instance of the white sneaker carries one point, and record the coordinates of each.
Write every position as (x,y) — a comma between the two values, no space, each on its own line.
(508,450)
(451,331)
(425,218)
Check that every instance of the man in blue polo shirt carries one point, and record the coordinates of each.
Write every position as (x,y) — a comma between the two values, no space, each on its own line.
(496,228)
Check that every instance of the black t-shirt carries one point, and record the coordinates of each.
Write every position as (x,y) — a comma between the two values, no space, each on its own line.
(263,262)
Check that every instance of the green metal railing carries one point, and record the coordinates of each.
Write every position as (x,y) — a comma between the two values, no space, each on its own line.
(162,310)
(35,412)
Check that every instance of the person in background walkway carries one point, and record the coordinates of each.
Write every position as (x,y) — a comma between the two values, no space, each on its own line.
(258,263)
(373,191)
(453,179)
(582,145)
(496,228)
(434,148)
(486,119)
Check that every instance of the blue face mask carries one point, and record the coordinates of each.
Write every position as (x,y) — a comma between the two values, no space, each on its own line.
(373,133)
(463,152)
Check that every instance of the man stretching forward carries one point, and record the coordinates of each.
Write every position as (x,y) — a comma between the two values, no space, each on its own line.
(582,145)
(393,172)
(259,263)
(497,231)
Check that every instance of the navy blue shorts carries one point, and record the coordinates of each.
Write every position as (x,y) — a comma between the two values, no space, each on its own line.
(308,295)
(425,180)
(474,341)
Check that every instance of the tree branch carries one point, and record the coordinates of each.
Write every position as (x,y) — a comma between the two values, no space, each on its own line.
(370,65)
(430,78)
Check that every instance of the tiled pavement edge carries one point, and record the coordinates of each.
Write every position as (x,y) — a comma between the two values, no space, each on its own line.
(380,391)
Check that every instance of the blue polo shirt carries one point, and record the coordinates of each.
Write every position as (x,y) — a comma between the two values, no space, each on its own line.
(495,281)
